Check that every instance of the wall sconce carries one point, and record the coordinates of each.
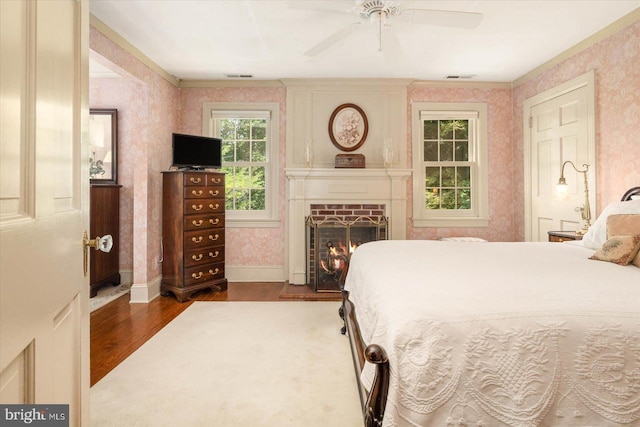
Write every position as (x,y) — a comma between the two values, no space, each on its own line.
(562,190)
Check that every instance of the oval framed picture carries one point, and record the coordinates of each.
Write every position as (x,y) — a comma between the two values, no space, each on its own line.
(348,127)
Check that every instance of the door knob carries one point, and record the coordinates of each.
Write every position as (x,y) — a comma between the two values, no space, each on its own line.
(104,244)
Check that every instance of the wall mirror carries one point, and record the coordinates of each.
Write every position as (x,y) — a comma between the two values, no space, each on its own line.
(103,140)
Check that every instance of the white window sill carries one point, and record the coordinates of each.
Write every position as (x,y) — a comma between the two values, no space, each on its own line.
(251,223)
(450,222)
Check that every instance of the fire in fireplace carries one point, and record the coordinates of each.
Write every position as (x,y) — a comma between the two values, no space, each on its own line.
(330,242)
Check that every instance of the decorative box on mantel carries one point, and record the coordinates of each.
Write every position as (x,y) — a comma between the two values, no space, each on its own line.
(350,161)
(305,187)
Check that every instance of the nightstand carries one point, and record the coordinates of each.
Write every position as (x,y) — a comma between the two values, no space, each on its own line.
(563,236)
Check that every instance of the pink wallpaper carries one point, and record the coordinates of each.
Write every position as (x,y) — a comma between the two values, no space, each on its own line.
(245,246)
(501,225)
(129,99)
(616,62)
(150,112)
(156,108)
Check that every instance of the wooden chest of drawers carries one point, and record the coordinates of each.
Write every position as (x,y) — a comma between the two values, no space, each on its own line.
(192,233)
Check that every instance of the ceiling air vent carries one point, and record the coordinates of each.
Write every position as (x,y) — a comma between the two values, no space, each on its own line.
(462,76)
(239,76)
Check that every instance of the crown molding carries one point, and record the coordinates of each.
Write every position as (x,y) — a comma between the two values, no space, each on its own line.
(461,84)
(230,83)
(627,20)
(131,49)
(349,82)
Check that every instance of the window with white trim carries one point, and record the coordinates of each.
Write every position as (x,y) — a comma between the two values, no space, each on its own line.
(249,133)
(450,180)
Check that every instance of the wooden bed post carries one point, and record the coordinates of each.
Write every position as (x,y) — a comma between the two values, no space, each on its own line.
(377,401)
(374,401)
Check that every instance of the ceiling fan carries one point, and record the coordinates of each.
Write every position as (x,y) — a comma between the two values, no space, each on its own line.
(380,13)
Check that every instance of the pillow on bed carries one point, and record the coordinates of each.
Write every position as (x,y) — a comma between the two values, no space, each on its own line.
(597,234)
(623,225)
(618,249)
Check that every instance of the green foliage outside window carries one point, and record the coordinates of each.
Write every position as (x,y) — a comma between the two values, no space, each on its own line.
(447,170)
(244,159)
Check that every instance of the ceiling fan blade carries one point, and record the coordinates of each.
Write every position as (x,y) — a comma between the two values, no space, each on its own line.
(446,18)
(332,39)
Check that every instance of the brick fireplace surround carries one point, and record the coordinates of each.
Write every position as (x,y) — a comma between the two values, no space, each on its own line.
(306,187)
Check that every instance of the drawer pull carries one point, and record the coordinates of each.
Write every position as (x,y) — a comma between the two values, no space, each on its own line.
(197,276)
(196,207)
(197,193)
(214,238)
(214,207)
(197,239)
(213,272)
(195,180)
(197,223)
(214,193)
(214,254)
(216,180)
(214,221)
(197,257)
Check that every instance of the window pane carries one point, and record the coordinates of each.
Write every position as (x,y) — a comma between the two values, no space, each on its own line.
(464,176)
(431,151)
(229,199)
(242,176)
(227,129)
(446,129)
(257,200)
(432,198)
(462,151)
(432,177)
(461,129)
(258,129)
(259,151)
(430,129)
(449,176)
(448,199)
(244,130)
(229,179)
(243,151)
(464,198)
(242,200)
(257,177)
(227,151)
(446,151)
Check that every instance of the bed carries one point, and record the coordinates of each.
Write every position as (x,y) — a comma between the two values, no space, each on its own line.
(498,333)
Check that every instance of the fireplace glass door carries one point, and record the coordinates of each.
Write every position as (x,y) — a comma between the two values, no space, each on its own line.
(330,243)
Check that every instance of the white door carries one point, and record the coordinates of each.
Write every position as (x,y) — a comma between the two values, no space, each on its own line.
(559,130)
(44,319)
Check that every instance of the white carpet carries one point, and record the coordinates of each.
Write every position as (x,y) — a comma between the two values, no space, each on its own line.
(106,294)
(233,364)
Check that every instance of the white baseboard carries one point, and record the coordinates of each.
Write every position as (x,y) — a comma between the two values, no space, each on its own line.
(145,292)
(126,277)
(255,273)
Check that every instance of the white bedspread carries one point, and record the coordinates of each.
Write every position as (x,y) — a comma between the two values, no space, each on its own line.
(489,334)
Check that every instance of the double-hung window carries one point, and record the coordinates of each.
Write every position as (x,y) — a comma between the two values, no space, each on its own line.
(249,133)
(450,165)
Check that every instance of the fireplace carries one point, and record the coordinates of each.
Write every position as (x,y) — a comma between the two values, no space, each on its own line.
(333,233)
(314,186)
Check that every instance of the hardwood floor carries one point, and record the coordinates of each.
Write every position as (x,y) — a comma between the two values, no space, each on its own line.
(120,328)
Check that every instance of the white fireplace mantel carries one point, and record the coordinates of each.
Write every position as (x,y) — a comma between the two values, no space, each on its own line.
(335,186)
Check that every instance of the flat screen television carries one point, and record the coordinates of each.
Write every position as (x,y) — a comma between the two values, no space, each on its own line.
(196,152)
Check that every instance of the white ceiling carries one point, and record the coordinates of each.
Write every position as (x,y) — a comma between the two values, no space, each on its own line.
(210,39)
